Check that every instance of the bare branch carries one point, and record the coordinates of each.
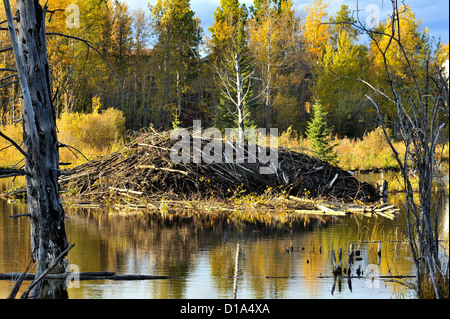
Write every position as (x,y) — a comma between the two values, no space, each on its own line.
(14,144)
(70,149)
(6,49)
(7,69)
(91,44)
(4,173)
(9,83)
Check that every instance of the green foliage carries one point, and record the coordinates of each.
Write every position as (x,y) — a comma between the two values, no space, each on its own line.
(178,35)
(341,95)
(320,135)
(176,120)
(228,41)
(169,81)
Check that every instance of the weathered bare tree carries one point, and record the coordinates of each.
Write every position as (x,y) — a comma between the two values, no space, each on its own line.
(233,88)
(419,117)
(45,210)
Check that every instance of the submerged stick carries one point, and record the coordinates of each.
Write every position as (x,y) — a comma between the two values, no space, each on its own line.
(16,287)
(101,275)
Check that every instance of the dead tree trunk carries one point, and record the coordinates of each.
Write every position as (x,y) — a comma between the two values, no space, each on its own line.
(48,236)
(240,99)
(418,109)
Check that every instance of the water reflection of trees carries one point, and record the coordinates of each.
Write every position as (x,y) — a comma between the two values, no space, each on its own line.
(171,245)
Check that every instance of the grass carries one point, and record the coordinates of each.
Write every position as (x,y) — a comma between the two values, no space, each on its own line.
(427,287)
(89,135)
(97,134)
(371,152)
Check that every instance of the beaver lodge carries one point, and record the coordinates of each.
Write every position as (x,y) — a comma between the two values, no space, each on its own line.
(142,175)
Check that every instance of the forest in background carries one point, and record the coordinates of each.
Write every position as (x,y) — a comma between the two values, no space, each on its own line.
(122,70)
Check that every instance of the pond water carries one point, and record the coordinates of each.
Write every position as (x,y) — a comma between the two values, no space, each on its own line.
(202,253)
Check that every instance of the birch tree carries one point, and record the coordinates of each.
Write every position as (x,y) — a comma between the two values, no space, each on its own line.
(232,66)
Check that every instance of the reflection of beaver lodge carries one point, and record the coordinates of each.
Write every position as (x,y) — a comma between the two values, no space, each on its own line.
(144,169)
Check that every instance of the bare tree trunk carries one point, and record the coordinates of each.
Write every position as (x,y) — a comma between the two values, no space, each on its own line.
(48,236)
(420,130)
(240,98)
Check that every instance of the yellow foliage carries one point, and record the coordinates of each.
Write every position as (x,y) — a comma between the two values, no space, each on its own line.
(315,31)
(96,104)
(9,155)
(289,139)
(371,152)
(97,130)
(93,134)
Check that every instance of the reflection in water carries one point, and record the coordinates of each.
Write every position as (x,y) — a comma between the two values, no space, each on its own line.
(272,262)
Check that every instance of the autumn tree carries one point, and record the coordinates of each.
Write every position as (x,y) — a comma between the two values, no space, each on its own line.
(344,59)
(141,72)
(178,35)
(386,53)
(82,59)
(266,45)
(230,61)
(315,30)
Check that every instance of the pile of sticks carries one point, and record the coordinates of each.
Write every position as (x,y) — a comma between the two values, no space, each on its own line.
(144,169)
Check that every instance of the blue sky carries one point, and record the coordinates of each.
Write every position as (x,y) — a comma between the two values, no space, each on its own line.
(433,14)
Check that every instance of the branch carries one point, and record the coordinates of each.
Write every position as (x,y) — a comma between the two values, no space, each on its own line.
(70,149)
(9,83)
(4,173)
(7,69)
(14,144)
(91,45)
(8,76)
(6,49)
(37,280)
(16,287)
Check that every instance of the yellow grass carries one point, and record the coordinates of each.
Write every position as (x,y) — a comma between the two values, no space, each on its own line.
(92,134)
(370,152)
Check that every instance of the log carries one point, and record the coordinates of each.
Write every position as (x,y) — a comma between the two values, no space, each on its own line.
(125,190)
(102,275)
(332,181)
(390,207)
(391,217)
(330,211)
(162,169)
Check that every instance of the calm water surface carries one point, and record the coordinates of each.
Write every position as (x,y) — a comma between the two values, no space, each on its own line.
(202,252)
